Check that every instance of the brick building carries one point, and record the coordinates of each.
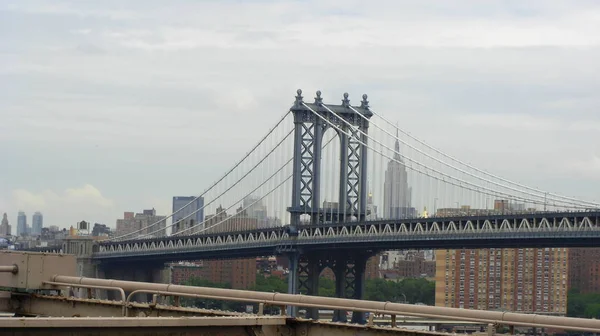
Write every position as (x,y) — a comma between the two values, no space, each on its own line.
(411,264)
(144,223)
(584,269)
(182,272)
(221,222)
(530,280)
(238,273)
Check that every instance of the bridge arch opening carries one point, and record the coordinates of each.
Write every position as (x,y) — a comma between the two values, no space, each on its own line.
(330,175)
(327,282)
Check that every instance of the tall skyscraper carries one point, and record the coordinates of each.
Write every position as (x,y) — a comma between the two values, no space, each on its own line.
(5,229)
(179,219)
(254,208)
(371,208)
(528,280)
(21,224)
(37,223)
(397,194)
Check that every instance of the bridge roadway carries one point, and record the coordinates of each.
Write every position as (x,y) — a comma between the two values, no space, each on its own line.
(543,229)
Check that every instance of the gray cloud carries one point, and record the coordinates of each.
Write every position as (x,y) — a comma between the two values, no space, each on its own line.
(134,99)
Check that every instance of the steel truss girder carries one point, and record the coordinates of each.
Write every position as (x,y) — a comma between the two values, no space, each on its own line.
(353,174)
(399,229)
(306,164)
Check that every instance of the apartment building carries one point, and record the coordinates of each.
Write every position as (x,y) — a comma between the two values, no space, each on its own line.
(522,280)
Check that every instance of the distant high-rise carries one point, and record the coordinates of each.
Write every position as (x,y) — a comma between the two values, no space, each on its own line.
(255,208)
(142,224)
(396,192)
(181,221)
(100,230)
(5,229)
(21,224)
(371,208)
(37,223)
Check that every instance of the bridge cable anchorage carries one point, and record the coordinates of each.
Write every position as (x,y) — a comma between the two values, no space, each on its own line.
(471,166)
(494,193)
(248,206)
(212,186)
(224,192)
(544,194)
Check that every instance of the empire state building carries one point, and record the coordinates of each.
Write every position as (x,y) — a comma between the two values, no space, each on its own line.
(396,192)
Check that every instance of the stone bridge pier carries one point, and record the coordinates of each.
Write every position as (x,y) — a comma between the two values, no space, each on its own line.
(133,271)
(84,247)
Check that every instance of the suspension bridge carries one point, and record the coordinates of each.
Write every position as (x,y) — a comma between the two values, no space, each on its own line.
(330,185)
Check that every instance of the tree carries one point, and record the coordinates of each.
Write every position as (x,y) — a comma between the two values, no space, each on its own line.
(583,305)
(270,284)
(414,290)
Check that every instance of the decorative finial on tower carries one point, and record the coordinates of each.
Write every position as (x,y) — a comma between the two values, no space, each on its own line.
(346,101)
(364,103)
(298,101)
(318,99)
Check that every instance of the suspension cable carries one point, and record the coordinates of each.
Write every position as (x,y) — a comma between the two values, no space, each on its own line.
(475,168)
(213,185)
(226,190)
(463,171)
(241,199)
(234,203)
(417,163)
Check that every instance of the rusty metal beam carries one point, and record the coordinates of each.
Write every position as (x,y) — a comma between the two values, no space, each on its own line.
(135,322)
(196,326)
(238,325)
(49,305)
(343,329)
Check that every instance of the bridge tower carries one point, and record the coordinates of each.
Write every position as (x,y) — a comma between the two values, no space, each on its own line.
(308,146)
(310,125)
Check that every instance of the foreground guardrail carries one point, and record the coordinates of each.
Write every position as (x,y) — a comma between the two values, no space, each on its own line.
(374,307)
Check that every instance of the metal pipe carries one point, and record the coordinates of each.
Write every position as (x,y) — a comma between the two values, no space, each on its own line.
(505,318)
(14,269)
(178,295)
(199,296)
(118,289)
(282,303)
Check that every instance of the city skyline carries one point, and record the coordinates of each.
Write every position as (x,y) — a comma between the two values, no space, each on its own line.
(117,113)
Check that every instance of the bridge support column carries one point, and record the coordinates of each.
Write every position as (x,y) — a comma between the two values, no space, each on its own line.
(359,266)
(293,280)
(309,269)
(340,290)
(349,268)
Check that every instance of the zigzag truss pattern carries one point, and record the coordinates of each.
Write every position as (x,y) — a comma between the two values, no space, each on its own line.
(572,222)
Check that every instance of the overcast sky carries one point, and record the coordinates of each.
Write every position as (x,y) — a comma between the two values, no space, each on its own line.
(112,106)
